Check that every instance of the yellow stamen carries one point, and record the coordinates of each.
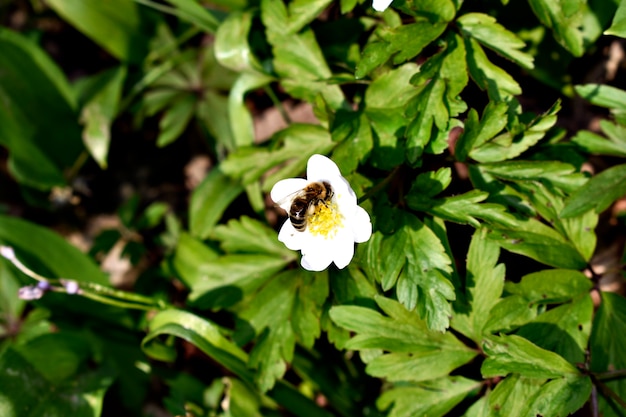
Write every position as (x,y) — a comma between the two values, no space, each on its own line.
(325,220)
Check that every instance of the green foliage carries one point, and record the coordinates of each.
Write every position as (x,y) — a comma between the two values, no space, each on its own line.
(474,294)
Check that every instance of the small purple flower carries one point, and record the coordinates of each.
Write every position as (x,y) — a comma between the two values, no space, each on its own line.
(44,285)
(30,292)
(71,287)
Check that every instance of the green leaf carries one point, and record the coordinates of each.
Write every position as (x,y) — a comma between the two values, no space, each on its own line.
(433,398)
(40,147)
(442,78)
(99,112)
(176,119)
(560,397)
(26,392)
(235,236)
(207,337)
(11,306)
(478,132)
(607,343)
(287,307)
(240,118)
(228,279)
(196,14)
(351,152)
(509,145)
(565,20)
(603,95)
(404,42)
(488,32)
(484,282)
(593,143)
(463,208)
(386,99)
(116,25)
(300,142)
(618,26)
(551,286)
(209,201)
(564,330)
(232,49)
(190,254)
(414,261)
(598,193)
(497,82)
(514,354)
(47,252)
(510,397)
(413,352)
(539,242)
(298,58)
(509,314)
(555,173)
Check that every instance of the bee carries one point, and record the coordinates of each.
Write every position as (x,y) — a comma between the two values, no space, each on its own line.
(305,201)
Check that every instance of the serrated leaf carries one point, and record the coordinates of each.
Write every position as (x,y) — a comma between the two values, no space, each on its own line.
(484,282)
(509,314)
(298,58)
(413,353)
(234,237)
(497,82)
(564,329)
(414,261)
(228,279)
(564,20)
(560,397)
(476,132)
(431,110)
(463,208)
(598,193)
(540,242)
(509,145)
(558,174)
(433,398)
(551,286)
(488,32)
(300,142)
(232,49)
(510,397)
(514,354)
(209,201)
(283,310)
(607,346)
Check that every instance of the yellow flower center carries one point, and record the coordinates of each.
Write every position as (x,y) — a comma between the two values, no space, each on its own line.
(325,220)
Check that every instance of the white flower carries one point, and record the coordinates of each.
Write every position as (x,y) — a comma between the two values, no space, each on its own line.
(381,5)
(335,225)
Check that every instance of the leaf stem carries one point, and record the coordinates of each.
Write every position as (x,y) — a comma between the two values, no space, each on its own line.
(607,392)
(375,189)
(279,105)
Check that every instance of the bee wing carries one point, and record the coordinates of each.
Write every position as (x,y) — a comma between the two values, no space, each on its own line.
(284,191)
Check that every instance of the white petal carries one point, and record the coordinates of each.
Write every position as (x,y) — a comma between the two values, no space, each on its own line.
(344,249)
(361,225)
(381,5)
(316,260)
(344,195)
(290,236)
(283,189)
(320,167)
